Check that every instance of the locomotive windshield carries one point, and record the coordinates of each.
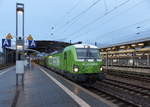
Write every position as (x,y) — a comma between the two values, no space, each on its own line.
(88,53)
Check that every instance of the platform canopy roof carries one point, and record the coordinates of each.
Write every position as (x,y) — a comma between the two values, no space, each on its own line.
(45,46)
(49,46)
(143,42)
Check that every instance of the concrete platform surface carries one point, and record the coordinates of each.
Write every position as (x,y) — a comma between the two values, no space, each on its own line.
(44,88)
(7,87)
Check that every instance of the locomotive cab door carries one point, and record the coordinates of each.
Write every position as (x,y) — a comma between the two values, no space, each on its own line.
(65,61)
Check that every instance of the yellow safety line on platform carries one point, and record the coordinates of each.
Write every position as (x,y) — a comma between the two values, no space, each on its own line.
(80,101)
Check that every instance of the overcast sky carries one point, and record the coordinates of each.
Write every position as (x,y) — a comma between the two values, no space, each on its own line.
(102,21)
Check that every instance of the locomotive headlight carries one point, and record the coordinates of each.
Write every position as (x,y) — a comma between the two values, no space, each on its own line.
(75,69)
(101,68)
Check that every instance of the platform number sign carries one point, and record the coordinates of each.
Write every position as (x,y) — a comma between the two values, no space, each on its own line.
(6,43)
(31,44)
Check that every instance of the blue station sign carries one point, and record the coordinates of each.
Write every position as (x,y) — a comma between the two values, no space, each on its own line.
(31,44)
(6,43)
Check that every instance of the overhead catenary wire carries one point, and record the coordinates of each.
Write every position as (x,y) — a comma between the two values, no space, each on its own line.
(98,18)
(86,10)
(77,17)
(68,13)
(118,15)
(106,11)
(74,7)
(127,26)
(128,37)
(135,35)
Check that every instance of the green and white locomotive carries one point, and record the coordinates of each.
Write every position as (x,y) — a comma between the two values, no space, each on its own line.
(79,62)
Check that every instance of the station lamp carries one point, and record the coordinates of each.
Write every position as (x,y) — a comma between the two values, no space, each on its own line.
(122,47)
(20,10)
(19,47)
(113,48)
(141,44)
(133,45)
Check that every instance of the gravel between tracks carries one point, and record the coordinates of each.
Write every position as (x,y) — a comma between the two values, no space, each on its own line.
(127,80)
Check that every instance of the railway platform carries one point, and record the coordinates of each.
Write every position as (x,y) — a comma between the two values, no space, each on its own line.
(7,87)
(44,88)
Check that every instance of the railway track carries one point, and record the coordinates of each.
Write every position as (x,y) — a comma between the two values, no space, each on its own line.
(129,75)
(122,94)
(111,97)
(135,88)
